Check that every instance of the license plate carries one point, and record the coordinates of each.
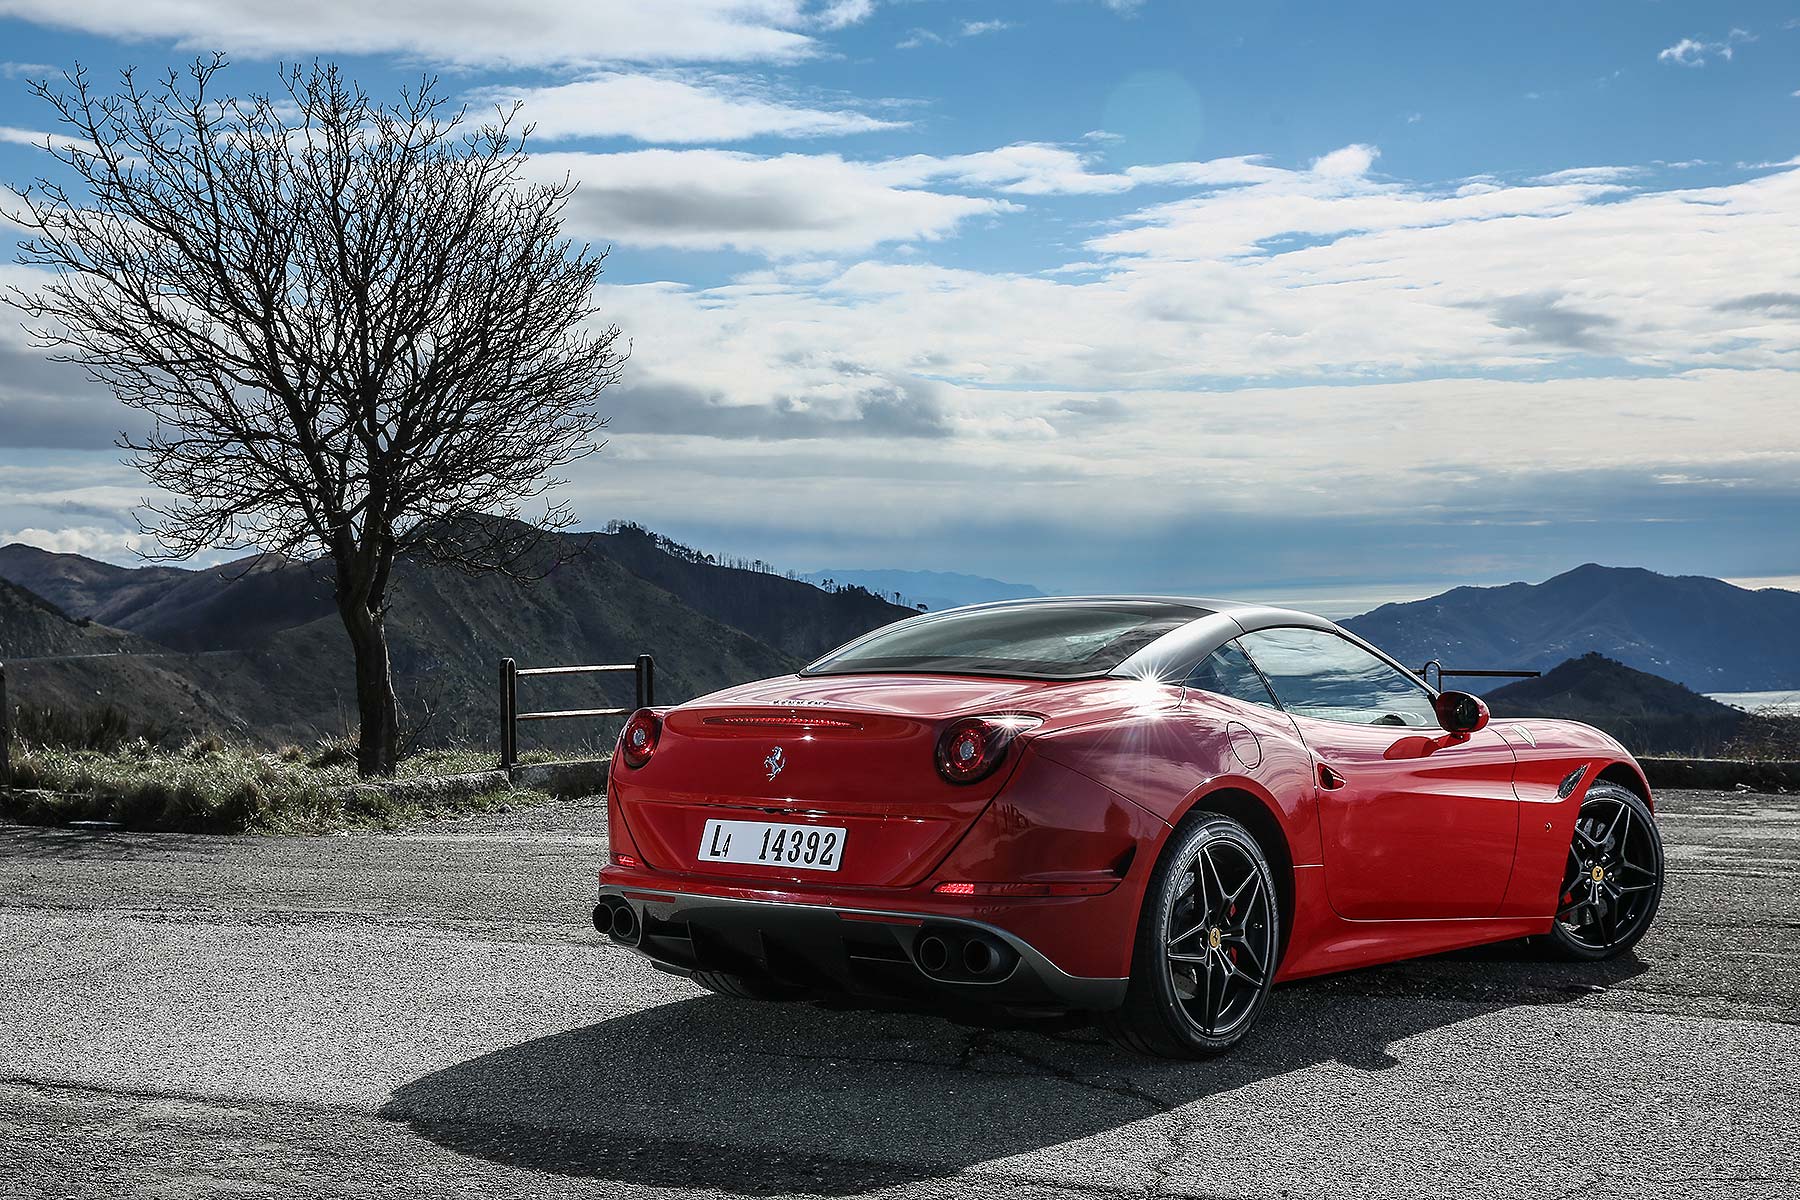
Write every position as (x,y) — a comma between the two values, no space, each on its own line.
(765,843)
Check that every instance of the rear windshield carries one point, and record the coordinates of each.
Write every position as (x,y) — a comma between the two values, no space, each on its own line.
(1035,641)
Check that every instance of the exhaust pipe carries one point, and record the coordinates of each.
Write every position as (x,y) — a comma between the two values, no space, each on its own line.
(624,925)
(934,954)
(615,918)
(979,958)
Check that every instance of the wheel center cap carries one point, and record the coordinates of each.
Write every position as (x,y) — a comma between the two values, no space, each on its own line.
(1214,938)
(1598,874)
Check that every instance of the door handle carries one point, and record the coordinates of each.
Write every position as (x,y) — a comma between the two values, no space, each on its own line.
(1329,779)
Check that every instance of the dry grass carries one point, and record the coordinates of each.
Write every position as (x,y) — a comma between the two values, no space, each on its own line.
(210,785)
(1769,735)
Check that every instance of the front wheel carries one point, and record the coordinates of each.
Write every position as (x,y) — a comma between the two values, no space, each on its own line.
(1206,944)
(1614,879)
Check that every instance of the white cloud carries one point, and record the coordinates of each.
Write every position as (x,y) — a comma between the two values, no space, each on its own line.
(1350,162)
(784,205)
(1045,169)
(525,32)
(1687,53)
(1693,52)
(37,138)
(27,70)
(682,107)
(799,204)
(1028,168)
(1591,174)
(91,540)
(841,13)
(967,29)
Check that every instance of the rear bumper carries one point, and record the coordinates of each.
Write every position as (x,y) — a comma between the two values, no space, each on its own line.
(920,957)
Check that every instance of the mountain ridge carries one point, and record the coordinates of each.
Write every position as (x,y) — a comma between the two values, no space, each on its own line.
(1708,634)
(1646,712)
(266,648)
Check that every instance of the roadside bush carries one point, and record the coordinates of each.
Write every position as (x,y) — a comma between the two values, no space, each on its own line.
(1767,736)
(104,728)
(333,752)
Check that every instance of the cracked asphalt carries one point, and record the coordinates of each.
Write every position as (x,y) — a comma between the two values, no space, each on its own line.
(427,1014)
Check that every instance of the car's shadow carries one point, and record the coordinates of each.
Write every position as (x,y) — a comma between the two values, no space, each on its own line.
(765,1099)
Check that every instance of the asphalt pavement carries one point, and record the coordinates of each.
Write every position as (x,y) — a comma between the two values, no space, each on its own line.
(428,1014)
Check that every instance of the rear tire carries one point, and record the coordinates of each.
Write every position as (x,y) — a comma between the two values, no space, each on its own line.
(1207,945)
(1601,918)
(745,987)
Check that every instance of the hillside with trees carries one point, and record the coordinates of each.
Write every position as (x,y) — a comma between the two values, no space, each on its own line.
(263,646)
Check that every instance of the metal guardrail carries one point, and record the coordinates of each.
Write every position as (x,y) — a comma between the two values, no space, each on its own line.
(1425,674)
(644,669)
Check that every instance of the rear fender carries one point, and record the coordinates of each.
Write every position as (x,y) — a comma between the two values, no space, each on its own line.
(1208,755)
(1051,824)
(1169,762)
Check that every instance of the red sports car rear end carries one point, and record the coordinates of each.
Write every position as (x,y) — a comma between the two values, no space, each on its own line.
(849,834)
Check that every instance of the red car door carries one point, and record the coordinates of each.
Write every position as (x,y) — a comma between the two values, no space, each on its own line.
(1416,823)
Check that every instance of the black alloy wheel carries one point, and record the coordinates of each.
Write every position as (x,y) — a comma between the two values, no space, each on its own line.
(1207,944)
(1614,878)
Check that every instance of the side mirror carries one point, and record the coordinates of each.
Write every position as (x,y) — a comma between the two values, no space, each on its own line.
(1460,712)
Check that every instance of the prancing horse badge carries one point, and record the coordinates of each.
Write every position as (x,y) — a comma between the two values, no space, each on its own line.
(775,762)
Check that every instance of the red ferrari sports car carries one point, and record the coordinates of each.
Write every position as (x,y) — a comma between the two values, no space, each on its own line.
(1153,809)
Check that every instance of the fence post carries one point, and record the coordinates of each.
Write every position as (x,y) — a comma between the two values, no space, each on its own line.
(509,712)
(5,730)
(646,681)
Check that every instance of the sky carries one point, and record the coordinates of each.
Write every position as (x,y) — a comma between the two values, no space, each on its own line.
(1299,301)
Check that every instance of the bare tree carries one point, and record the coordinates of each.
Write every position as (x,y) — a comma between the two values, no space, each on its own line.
(350,324)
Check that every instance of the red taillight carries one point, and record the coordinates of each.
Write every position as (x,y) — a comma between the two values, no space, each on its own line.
(955,889)
(637,741)
(971,748)
(627,860)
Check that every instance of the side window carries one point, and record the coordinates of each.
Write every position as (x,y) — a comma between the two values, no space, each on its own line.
(1321,675)
(1227,672)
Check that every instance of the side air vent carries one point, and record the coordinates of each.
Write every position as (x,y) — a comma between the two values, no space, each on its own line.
(1567,787)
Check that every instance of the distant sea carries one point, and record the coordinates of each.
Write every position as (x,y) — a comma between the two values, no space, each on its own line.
(1787,702)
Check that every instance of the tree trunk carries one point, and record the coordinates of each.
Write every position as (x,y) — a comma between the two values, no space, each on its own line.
(378,711)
